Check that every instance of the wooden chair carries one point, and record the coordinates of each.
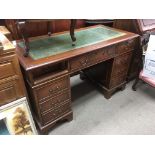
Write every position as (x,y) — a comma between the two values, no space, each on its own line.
(21,25)
(140,76)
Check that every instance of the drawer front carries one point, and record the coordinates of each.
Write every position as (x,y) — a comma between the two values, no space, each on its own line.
(95,57)
(115,81)
(121,65)
(125,46)
(55,101)
(79,63)
(9,92)
(8,66)
(49,89)
(103,54)
(56,113)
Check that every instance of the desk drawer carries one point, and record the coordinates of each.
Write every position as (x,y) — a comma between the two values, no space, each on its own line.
(10,91)
(56,113)
(115,81)
(8,66)
(79,62)
(121,64)
(105,53)
(49,89)
(55,101)
(92,58)
(125,46)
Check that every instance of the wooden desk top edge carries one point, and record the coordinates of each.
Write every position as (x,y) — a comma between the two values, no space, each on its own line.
(28,63)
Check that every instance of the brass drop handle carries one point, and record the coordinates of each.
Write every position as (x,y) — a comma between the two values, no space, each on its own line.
(51,90)
(84,62)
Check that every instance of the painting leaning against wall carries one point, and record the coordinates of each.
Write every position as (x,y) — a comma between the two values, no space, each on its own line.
(17,118)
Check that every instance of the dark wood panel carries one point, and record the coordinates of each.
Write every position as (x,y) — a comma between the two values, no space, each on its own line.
(41,28)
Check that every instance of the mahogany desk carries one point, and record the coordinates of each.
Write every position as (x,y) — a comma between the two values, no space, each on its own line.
(101,53)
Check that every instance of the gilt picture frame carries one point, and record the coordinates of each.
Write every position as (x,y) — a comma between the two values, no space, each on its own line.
(17,117)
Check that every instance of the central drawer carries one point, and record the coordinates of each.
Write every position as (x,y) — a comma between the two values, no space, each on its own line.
(49,89)
(92,58)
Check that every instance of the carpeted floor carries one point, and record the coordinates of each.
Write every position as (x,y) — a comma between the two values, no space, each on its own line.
(127,112)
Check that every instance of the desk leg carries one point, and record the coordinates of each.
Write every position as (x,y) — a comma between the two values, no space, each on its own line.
(44,130)
(72,28)
(134,86)
(108,94)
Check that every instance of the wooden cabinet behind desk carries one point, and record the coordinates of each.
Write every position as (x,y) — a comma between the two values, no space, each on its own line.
(11,81)
(35,29)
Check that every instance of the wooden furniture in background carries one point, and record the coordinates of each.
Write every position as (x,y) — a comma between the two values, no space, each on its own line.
(48,79)
(35,29)
(11,81)
(12,88)
(6,32)
(143,27)
(106,22)
(2,22)
(22,29)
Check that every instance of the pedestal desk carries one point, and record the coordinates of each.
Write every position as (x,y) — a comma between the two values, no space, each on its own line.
(101,54)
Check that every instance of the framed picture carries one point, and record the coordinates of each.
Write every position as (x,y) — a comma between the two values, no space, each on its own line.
(3,128)
(16,119)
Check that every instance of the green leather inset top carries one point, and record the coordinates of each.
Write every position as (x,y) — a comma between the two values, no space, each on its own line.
(53,45)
